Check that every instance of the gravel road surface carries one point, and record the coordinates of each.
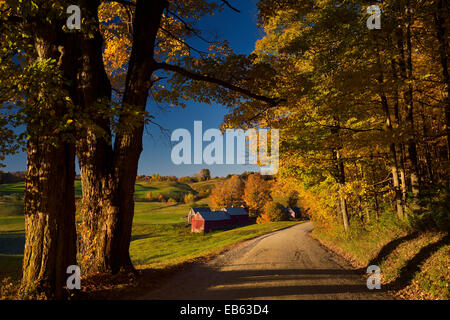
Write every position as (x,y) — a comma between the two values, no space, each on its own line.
(286,264)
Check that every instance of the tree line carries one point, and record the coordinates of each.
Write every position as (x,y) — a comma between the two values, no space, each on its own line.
(365,129)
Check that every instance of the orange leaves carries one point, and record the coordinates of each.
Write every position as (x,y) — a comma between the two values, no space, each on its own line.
(115,23)
(256,193)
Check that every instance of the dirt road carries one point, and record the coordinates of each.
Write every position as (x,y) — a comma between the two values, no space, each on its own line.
(287,264)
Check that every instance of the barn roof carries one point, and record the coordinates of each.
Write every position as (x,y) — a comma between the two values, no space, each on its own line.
(201,209)
(236,211)
(214,215)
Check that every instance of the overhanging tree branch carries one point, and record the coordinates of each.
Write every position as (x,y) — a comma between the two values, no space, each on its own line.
(195,76)
(124,2)
(230,6)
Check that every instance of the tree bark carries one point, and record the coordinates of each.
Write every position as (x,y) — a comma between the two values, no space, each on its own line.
(95,153)
(50,236)
(412,147)
(128,144)
(109,175)
(389,128)
(442,37)
(343,202)
(340,178)
(406,72)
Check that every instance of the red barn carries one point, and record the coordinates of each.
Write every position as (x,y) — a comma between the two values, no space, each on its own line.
(208,221)
(238,215)
(294,212)
(193,211)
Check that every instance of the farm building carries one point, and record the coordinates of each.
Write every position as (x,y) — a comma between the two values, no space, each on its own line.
(193,211)
(207,221)
(238,214)
(293,212)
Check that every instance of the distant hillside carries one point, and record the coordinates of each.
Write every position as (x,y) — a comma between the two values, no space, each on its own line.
(204,188)
(169,189)
(12,177)
(19,188)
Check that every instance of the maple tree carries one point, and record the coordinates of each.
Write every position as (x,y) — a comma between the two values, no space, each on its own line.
(256,194)
(228,193)
(93,104)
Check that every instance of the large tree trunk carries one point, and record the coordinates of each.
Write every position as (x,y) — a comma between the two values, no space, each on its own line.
(412,147)
(128,144)
(389,128)
(50,245)
(406,72)
(442,37)
(340,177)
(108,177)
(100,203)
(341,180)
(398,124)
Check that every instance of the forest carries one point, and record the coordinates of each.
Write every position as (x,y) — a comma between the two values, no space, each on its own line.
(363,114)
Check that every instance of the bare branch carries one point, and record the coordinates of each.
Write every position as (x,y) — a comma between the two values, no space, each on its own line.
(201,53)
(188,27)
(230,6)
(124,2)
(199,77)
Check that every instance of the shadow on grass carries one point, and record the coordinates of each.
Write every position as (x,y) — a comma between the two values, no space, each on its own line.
(390,247)
(408,271)
(12,243)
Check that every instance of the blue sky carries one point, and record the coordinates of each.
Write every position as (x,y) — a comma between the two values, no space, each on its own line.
(241,31)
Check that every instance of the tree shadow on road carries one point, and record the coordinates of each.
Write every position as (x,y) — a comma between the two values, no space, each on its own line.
(251,282)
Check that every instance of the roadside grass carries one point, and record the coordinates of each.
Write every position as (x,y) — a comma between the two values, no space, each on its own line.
(432,282)
(413,265)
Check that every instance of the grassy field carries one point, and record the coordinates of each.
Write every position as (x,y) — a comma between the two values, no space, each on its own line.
(170,189)
(19,188)
(160,246)
(160,238)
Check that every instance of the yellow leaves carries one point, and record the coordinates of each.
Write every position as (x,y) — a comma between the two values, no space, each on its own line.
(114,28)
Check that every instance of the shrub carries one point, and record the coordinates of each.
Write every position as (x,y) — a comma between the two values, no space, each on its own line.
(263,218)
(149,196)
(17,196)
(189,198)
(273,211)
(172,201)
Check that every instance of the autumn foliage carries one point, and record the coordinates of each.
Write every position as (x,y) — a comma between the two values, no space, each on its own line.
(228,193)
(256,194)
(273,211)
